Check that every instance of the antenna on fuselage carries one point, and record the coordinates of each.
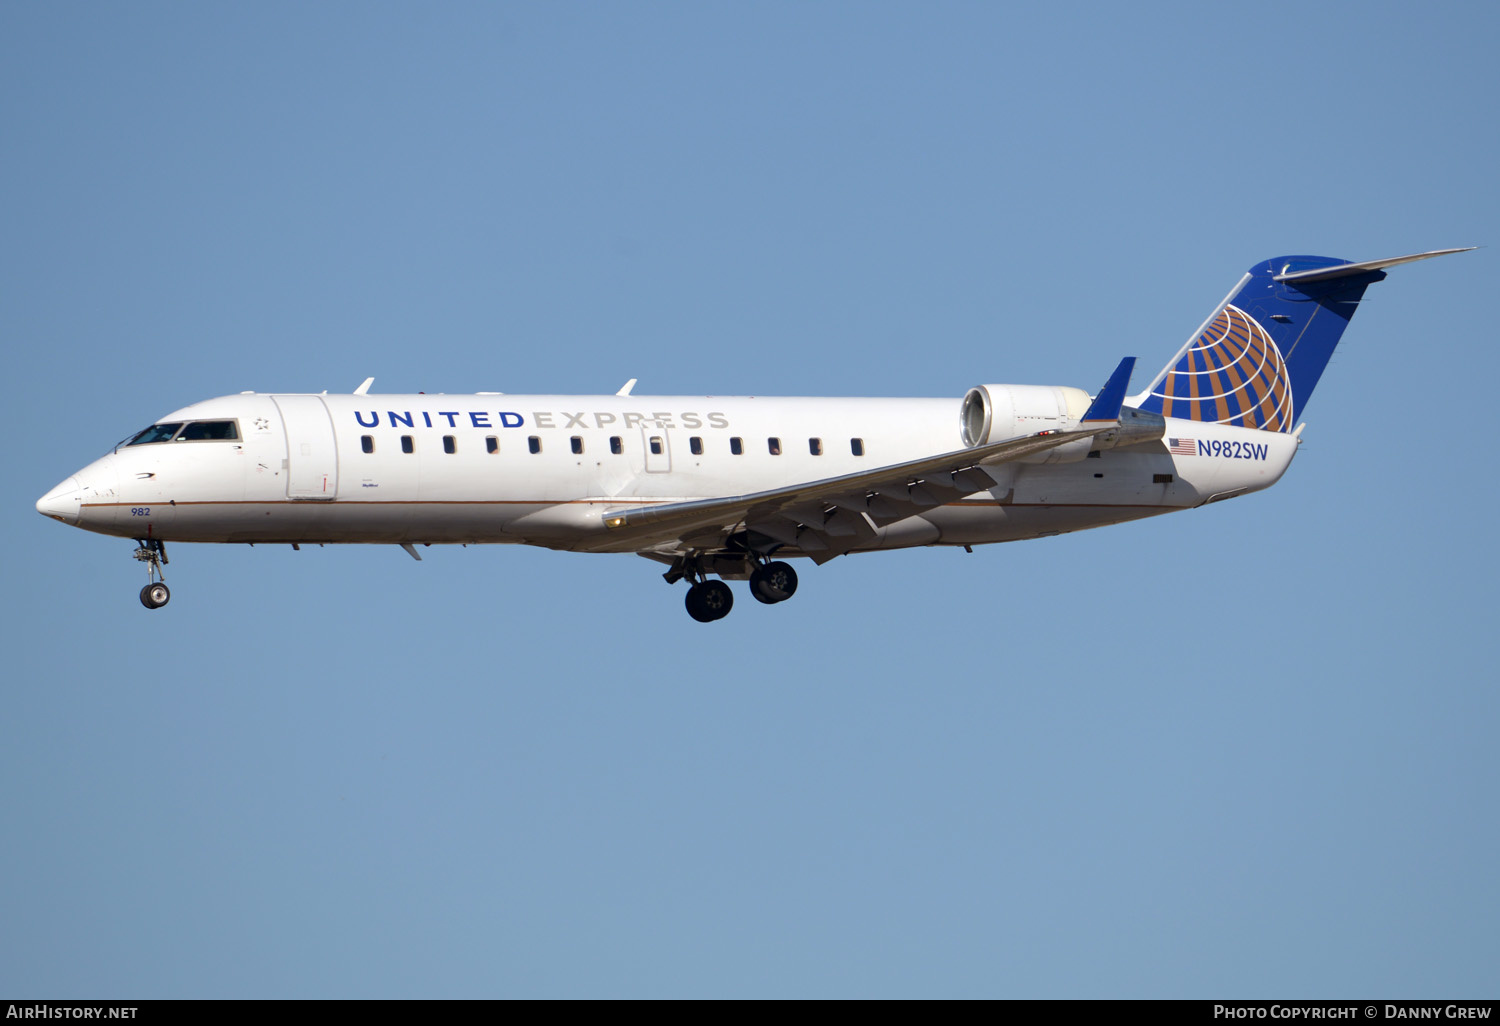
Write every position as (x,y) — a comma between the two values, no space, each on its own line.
(625,390)
(362,389)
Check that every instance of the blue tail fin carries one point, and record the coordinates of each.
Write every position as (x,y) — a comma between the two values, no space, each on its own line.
(1255,361)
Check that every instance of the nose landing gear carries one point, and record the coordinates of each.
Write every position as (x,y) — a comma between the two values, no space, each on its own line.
(154,554)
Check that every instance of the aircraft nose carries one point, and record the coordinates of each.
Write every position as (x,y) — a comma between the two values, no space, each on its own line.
(93,484)
(62,502)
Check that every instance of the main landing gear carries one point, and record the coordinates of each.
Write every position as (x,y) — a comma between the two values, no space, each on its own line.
(154,554)
(773,582)
(708,600)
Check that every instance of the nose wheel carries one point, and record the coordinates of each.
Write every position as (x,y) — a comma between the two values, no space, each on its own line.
(154,554)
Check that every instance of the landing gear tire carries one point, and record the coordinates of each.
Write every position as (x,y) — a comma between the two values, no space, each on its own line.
(708,601)
(774,582)
(154,554)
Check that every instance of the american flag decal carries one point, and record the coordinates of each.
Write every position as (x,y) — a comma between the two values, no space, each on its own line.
(1183,446)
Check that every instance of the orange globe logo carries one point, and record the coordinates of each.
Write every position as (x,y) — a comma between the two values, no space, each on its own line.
(1231,374)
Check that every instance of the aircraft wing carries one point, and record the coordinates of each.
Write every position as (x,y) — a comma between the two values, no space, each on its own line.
(828,517)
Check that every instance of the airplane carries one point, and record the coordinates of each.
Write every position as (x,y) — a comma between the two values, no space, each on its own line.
(729,488)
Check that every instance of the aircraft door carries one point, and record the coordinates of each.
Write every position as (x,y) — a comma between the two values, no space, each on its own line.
(312,456)
(658,448)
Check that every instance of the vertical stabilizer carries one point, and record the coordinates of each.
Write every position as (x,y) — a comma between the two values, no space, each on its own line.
(1256,360)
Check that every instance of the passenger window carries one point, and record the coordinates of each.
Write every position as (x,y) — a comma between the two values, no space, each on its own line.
(736,446)
(656,445)
(577,446)
(774,444)
(815,446)
(857,446)
(209,431)
(450,444)
(534,444)
(616,445)
(491,444)
(696,444)
(406,444)
(367,443)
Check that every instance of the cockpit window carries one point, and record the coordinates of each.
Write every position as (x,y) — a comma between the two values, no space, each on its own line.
(195,431)
(155,433)
(209,431)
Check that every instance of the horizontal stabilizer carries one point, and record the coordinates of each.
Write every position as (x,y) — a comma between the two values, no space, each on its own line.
(1345,270)
(1106,405)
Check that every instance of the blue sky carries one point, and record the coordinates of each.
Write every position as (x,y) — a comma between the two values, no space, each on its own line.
(1241,751)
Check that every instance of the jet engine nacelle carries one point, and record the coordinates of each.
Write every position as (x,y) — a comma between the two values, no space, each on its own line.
(993,413)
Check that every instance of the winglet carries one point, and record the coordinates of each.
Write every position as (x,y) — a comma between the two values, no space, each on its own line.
(1106,405)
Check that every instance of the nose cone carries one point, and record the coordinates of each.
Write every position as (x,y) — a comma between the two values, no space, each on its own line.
(62,502)
(77,500)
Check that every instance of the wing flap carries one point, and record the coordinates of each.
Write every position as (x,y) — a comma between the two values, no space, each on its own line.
(843,524)
(832,515)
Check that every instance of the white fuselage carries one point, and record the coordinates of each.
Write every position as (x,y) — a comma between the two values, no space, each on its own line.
(493,468)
